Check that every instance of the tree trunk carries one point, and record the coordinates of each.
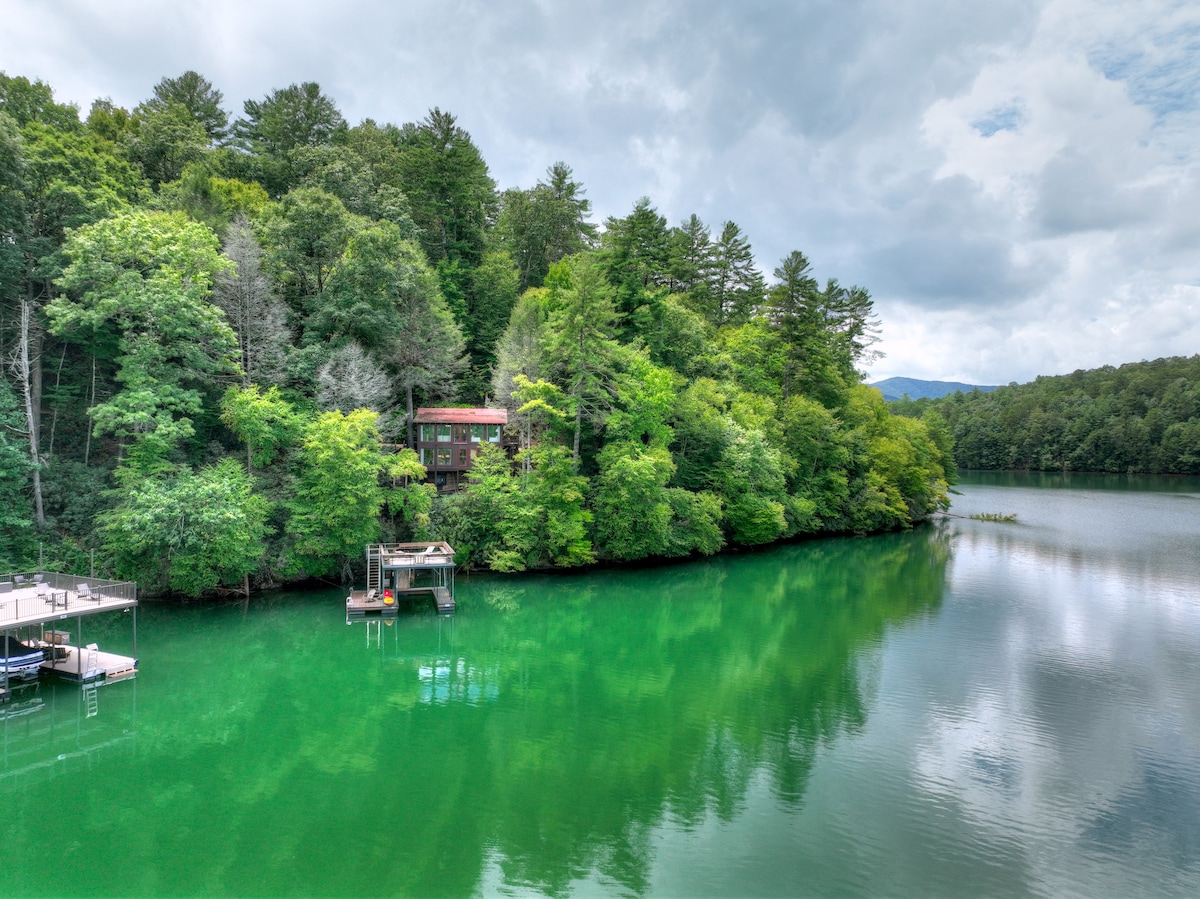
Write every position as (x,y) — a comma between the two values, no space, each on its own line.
(578,427)
(87,449)
(408,394)
(28,369)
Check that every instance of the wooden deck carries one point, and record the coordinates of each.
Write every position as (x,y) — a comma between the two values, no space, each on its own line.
(368,602)
(29,604)
(359,602)
(83,665)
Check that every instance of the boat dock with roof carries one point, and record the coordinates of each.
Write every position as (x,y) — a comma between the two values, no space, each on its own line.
(397,571)
(42,628)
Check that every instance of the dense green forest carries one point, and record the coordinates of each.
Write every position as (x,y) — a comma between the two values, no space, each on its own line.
(1141,417)
(215,332)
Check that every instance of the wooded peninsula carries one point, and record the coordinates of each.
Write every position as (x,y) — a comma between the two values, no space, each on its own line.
(216,334)
(1141,417)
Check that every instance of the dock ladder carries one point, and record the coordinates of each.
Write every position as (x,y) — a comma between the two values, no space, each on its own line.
(88,668)
(91,700)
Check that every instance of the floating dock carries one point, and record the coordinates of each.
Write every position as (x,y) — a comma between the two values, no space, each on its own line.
(399,572)
(34,605)
(87,664)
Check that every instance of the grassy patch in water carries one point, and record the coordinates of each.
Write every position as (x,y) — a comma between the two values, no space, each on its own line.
(994,516)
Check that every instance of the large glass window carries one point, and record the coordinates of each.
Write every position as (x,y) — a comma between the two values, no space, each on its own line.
(493,433)
(464,457)
(476,433)
(461,434)
(427,434)
(443,457)
(443,433)
(426,456)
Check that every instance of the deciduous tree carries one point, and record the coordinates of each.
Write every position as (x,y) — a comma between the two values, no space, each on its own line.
(146,276)
(187,532)
(335,511)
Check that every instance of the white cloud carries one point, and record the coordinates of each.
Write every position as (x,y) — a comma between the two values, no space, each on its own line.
(1014,182)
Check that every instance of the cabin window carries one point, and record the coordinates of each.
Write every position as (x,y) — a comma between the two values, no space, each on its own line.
(461,433)
(464,457)
(493,433)
(476,433)
(426,456)
(443,457)
(427,434)
(443,433)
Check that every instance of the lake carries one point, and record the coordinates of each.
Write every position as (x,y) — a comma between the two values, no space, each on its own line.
(971,708)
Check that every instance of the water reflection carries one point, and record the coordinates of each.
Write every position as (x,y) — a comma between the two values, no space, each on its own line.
(973,708)
(1077,668)
(49,729)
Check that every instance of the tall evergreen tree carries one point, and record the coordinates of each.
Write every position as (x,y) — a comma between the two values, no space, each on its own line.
(284,122)
(735,286)
(196,94)
(581,341)
(540,226)
(690,259)
(637,250)
(448,185)
(794,309)
(521,348)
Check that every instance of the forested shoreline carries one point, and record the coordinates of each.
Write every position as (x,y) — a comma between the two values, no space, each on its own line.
(215,333)
(1139,417)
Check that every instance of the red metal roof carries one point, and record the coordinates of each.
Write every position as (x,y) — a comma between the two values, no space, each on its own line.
(461,416)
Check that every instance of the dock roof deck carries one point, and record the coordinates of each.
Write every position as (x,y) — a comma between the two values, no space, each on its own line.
(38,598)
(430,554)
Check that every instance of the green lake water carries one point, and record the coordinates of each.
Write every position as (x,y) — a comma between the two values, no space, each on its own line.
(969,709)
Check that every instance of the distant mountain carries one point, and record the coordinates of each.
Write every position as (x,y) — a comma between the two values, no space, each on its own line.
(895,388)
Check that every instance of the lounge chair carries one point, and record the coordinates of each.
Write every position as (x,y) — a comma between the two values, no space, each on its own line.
(83,591)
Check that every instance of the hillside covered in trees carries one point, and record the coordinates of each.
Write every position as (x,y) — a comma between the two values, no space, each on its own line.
(215,332)
(1140,417)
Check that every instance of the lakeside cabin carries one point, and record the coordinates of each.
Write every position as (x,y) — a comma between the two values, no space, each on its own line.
(449,439)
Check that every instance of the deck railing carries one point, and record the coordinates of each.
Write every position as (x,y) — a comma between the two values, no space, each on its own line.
(24,595)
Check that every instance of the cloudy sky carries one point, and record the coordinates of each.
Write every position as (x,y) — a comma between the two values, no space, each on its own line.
(1011,180)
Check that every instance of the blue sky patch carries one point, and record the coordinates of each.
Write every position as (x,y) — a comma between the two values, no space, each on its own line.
(1002,118)
(1165,80)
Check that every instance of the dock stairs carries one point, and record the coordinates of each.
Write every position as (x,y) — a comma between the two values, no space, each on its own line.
(375,569)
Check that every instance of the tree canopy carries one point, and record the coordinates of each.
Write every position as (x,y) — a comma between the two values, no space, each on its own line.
(224,330)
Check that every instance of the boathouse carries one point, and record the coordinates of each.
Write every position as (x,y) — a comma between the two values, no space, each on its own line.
(399,572)
(42,628)
(449,439)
